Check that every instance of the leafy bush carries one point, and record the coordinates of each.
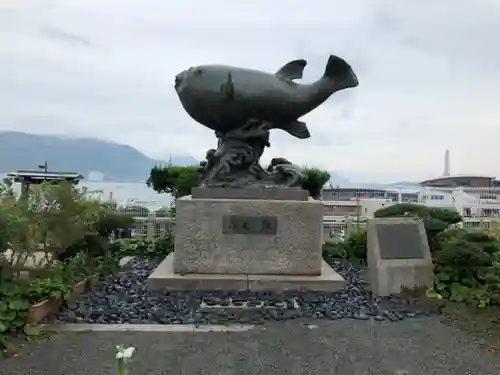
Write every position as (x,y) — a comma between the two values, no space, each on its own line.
(353,248)
(174,179)
(57,283)
(17,295)
(96,243)
(314,180)
(14,305)
(436,220)
(468,266)
(164,245)
(334,250)
(140,246)
(136,246)
(80,267)
(52,218)
(113,222)
(356,245)
(93,245)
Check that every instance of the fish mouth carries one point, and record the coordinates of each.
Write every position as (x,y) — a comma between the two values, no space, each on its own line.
(178,80)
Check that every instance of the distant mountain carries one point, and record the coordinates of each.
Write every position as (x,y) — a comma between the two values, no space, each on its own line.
(116,162)
(404,184)
(337,178)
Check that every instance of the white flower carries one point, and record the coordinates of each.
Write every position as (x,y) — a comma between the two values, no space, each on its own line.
(129,352)
(124,353)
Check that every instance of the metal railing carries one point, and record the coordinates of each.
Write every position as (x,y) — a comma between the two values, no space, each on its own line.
(473,202)
(479,206)
(152,227)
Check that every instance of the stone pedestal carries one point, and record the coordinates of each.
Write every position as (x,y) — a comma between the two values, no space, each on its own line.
(398,255)
(251,193)
(240,244)
(245,236)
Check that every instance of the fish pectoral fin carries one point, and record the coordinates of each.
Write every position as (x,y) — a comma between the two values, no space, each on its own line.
(292,70)
(297,128)
(227,88)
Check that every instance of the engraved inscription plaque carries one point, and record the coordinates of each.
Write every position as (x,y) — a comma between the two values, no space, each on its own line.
(400,241)
(236,224)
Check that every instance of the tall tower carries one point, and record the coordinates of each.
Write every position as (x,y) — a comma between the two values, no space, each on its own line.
(446,163)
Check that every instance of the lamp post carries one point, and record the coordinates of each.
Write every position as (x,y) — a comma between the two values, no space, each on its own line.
(44,166)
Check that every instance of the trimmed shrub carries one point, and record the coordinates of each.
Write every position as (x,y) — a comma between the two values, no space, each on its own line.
(334,250)
(468,266)
(164,245)
(314,180)
(356,245)
(353,248)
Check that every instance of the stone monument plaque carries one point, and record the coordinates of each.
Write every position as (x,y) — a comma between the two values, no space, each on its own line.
(238,224)
(398,255)
(400,241)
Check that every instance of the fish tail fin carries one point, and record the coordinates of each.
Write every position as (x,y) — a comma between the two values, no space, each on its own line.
(340,71)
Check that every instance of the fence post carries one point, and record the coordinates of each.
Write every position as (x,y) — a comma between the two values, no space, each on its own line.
(151,226)
(458,195)
(349,226)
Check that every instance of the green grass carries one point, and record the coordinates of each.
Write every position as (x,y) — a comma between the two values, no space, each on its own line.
(12,344)
(482,323)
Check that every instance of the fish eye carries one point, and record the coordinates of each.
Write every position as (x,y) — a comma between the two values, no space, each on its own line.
(198,72)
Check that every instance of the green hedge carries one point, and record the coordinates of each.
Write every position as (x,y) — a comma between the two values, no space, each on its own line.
(353,248)
(467,266)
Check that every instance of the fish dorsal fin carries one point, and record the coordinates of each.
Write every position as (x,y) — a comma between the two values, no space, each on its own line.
(292,70)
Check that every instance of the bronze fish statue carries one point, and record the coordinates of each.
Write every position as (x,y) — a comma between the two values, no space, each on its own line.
(224,98)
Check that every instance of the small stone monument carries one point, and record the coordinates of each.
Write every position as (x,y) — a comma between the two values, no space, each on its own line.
(249,227)
(398,255)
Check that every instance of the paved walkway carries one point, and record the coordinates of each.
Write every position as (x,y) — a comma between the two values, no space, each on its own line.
(414,346)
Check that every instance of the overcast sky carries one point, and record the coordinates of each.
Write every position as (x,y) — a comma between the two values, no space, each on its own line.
(429,73)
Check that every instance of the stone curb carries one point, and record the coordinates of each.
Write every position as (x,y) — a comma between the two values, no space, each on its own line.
(145,328)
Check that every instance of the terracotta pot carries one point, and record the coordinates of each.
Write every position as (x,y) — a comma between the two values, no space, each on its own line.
(40,310)
(80,287)
(93,280)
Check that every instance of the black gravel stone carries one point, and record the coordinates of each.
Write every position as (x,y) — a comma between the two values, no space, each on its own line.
(126,299)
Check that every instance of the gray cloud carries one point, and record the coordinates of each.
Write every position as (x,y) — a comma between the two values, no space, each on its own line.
(428,74)
(61,35)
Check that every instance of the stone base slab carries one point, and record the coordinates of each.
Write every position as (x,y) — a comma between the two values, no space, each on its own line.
(392,276)
(278,194)
(164,278)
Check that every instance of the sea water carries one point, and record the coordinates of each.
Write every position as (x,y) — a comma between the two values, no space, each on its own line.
(124,193)
(129,193)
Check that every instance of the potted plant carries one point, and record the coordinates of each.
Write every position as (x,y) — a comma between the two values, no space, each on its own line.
(48,294)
